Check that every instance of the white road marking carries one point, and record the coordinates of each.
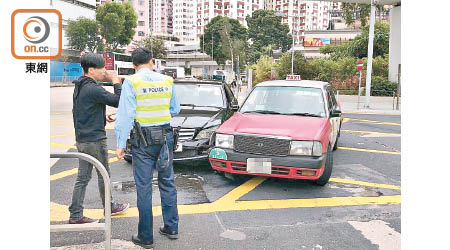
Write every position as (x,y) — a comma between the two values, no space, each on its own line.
(379,233)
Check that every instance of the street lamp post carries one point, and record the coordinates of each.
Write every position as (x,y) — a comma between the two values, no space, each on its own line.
(280,14)
(293,40)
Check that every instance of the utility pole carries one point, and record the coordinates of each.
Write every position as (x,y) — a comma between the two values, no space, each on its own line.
(370,51)
(212,45)
(293,40)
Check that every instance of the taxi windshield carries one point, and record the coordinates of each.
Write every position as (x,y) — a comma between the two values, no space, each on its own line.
(285,101)
(199,95)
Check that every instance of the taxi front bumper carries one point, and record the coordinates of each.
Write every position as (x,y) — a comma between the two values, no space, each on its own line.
(292,167)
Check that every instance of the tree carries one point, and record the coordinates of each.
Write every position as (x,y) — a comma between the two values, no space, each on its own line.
(83,33)
(224,38)
(267,33)
(357,48)
(301,66)
(117,22)
(155,45)
(350,9)
(263,69)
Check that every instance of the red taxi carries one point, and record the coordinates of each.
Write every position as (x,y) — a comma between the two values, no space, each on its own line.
(285,129)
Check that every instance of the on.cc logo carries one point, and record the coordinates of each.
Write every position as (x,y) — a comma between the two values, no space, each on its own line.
(36,29)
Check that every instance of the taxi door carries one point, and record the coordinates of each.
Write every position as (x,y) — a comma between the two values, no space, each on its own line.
(334,121)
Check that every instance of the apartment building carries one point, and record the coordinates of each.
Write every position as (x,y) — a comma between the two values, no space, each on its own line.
(236,9)
(162,16)
(302,15)
(184,20)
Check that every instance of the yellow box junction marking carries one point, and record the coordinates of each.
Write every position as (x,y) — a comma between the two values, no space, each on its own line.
(63,174)
(364,183)
(370,150)
(74,147)
(229,202)
(73,171)
(370,132)
(62,135)
(374,122)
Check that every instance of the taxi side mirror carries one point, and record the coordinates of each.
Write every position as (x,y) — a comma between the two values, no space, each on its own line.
(336,113)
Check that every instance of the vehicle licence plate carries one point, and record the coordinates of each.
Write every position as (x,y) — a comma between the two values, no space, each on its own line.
(259,165)
(179,147)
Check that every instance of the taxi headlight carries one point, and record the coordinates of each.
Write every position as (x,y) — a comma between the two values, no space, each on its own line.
(206,133)
(308,148)
(224,141)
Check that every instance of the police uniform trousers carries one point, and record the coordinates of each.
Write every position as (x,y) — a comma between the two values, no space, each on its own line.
(144,159)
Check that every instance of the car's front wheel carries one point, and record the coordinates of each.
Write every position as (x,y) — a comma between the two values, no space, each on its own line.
(328,169)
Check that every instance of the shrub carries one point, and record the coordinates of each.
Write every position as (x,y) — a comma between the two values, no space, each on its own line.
(263,69)
(380,86)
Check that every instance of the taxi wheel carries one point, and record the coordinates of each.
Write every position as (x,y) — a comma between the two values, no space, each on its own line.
(328,168)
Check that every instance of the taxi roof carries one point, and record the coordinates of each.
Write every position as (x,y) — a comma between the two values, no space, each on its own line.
(301,83)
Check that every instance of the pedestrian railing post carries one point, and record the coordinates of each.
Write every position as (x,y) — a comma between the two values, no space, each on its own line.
(107,182)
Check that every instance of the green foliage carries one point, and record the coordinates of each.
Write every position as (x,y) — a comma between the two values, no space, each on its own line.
(267,33)
(380,86)
(380,66)
(117,22)
(358,47)
(263,69)
(155,45)
(225,37)
(350,8)
(83,34)
(325,70)
(301,66)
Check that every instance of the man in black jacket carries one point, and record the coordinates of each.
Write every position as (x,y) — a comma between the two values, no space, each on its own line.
(89,118)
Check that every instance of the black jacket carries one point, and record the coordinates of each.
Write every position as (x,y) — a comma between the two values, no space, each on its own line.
(89,108)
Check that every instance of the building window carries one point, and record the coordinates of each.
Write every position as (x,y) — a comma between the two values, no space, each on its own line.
(141,33)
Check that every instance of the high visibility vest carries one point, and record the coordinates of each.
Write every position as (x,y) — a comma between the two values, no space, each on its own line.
(153,100)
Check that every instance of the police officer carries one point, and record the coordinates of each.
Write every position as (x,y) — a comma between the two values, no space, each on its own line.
(148,101)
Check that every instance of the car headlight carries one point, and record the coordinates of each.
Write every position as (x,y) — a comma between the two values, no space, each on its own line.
(206,133)
(309,148)
(224,141)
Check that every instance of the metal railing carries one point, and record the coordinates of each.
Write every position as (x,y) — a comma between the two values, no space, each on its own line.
(89,226)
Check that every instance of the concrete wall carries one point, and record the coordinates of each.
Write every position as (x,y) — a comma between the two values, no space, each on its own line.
(395,43)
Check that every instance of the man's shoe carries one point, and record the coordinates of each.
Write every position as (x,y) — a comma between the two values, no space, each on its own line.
(145,244)
(83,220)
(171,235)
(119,208)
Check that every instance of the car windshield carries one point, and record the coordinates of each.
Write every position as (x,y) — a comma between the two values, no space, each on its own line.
(200,95)
(286,101)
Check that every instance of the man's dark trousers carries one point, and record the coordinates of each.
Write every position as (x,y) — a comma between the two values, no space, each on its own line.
(99,151)
(144,162)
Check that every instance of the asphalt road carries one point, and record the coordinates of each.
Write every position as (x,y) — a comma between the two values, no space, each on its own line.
(358,209)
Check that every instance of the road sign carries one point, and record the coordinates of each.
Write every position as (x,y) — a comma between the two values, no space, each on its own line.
(293,77)
(360,64)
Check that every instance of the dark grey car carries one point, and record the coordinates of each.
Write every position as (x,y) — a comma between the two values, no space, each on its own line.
(205,105)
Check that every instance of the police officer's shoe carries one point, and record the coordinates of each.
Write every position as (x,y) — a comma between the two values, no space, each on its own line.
(145,244)
(170,234)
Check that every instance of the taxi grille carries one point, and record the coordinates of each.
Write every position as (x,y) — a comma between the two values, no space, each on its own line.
(261,145)
(186,134)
